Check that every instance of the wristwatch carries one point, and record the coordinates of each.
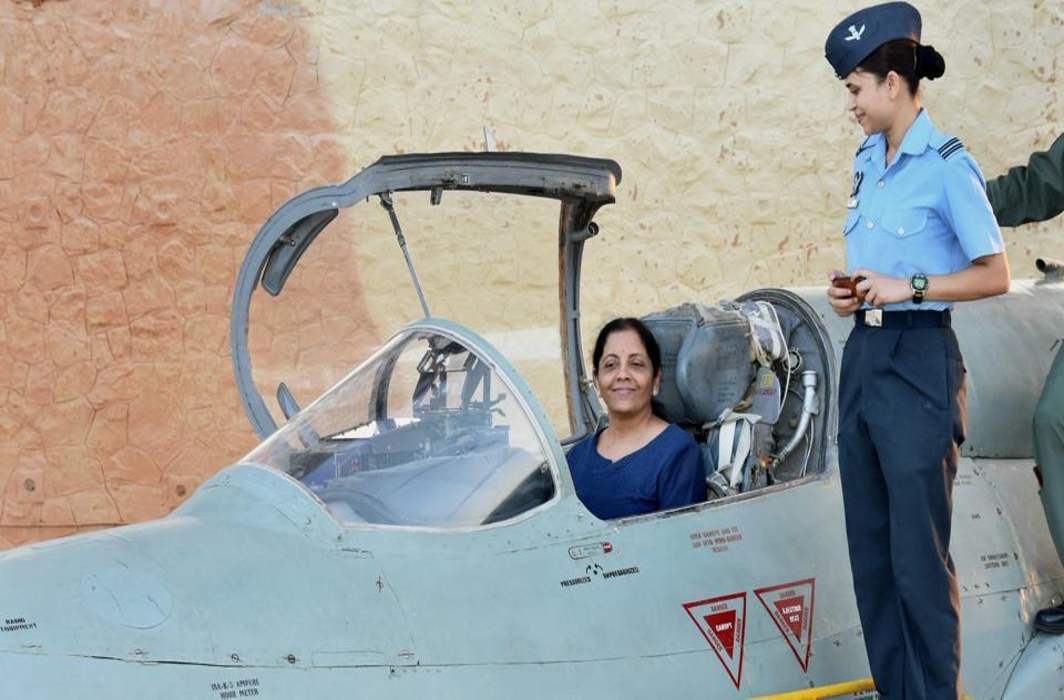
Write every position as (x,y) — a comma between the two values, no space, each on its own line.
(918,283)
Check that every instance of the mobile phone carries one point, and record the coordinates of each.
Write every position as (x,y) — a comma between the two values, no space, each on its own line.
(847,282)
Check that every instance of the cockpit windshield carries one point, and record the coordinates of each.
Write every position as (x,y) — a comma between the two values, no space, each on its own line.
(424,433)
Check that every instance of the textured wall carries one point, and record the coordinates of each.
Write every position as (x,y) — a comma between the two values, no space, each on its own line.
(725,116)
(140,148)
(141,145)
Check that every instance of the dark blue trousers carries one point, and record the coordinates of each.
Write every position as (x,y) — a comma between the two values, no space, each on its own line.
(901,420)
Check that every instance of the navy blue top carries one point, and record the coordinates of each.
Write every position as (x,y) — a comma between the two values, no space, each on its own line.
(665,473)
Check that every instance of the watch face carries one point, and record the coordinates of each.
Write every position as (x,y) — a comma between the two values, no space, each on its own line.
(919,283)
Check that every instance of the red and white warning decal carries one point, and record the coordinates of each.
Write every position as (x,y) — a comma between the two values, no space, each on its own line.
(722,621)
(790,605)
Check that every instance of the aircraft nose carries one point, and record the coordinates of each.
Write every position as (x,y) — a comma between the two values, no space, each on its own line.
(22,628)
(21,623)
(71,609)
(78,596)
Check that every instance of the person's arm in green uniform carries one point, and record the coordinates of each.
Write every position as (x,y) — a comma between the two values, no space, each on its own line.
(1032,192)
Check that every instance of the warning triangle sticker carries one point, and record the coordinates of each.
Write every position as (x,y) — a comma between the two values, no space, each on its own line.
(790,605)
(722,626)
(792,610)
(722,621)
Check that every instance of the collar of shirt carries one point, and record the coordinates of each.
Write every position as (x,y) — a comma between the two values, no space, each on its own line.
(915,142)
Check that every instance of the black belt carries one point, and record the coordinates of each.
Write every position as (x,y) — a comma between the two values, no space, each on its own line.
(902,319)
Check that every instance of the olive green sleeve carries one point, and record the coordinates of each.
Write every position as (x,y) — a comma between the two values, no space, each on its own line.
(1032,192)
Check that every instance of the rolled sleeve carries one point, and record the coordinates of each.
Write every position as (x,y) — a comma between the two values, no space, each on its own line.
(968,211)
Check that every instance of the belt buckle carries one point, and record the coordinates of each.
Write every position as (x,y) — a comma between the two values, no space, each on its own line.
(873,318)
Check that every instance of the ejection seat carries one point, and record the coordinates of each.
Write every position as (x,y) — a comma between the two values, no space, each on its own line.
(713,387)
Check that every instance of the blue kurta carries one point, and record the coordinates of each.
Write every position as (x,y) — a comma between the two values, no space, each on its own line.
(665,473)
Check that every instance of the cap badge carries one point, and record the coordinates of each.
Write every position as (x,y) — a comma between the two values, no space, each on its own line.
(855,33)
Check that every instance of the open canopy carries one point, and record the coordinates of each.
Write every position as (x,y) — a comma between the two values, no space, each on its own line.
(581,185)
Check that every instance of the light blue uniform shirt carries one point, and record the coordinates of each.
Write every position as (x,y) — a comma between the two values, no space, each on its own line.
(927,212)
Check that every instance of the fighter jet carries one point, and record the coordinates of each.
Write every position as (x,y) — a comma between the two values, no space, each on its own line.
(414,531)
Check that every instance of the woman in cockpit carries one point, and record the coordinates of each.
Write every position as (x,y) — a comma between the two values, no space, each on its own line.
(639,463)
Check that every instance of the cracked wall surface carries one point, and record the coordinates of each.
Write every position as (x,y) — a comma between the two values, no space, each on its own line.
(142,144)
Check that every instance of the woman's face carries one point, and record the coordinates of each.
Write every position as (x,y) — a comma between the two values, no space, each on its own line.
(625,376)
(871,101)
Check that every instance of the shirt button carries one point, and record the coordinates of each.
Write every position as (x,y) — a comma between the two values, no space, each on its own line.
(901,231)
(881,184)
(870,225)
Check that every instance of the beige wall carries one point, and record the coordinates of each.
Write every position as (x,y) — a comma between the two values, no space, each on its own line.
(141,145)
(725,116)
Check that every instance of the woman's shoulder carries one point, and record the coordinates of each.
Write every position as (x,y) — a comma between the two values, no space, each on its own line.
(951,165)
(678,453)
(676,437)
(947,149)
(585,443)
(582,455)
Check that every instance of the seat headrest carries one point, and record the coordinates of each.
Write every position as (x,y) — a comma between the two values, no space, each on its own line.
(705,361)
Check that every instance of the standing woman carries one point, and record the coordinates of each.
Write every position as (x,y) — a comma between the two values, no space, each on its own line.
(919,229)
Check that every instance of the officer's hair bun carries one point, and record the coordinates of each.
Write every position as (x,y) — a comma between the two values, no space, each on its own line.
(929,63)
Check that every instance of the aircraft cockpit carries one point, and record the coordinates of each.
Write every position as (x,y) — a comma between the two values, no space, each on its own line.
(425,433)
(431,432)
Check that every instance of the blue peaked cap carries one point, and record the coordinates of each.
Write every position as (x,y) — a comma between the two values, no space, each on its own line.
(856,37)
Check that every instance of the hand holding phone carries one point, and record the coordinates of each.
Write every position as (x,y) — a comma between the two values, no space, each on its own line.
(847,282)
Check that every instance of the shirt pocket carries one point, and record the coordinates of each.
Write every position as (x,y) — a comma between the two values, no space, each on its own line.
(852,217)
(905,223)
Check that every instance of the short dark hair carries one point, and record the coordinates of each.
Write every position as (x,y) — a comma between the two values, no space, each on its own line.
(627,323)
(908,59)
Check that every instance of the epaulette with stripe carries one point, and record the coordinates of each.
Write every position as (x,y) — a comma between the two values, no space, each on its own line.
(950,147)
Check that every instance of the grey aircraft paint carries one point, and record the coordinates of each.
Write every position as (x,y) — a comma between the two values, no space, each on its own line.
(263,585)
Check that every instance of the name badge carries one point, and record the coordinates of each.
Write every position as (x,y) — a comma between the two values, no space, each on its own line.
(858,177)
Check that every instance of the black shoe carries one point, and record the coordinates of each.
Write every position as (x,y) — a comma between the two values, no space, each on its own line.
(1050,620)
